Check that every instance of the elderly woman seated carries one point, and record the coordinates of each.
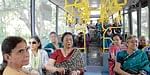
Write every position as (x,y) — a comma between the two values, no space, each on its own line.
(132,60)
(66,61)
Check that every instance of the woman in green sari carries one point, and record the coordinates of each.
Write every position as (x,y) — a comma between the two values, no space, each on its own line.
(132,60)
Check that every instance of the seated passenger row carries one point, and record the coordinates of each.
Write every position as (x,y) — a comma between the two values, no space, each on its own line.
(129,60)
(19,59)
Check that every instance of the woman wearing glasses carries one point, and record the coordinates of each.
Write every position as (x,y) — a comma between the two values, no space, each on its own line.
(38,56)
(66,61)
(15,54)
(132,60)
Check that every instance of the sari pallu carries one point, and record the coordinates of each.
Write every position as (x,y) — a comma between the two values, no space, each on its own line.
(134,63)
(72,64)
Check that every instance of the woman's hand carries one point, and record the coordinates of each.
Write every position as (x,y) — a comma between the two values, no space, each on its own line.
(75,72)
(119,70)
(34,72)
(60,70)
(113,56)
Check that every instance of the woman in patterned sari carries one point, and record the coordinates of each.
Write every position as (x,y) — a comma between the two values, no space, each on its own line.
(66,61)
(132,60)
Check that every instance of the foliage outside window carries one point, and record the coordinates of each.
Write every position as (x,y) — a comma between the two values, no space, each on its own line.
(61,21)
(126,23)
(134,22)
(45,19)
(14,19)
(144,22)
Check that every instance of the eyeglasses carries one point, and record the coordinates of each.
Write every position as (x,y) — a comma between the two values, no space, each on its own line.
(33,42)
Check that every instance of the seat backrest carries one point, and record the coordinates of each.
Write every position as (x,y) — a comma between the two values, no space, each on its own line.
(105,62)
(49,51)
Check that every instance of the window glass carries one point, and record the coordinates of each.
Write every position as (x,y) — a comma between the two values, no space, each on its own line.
(144,22)
(45,19)
(134,22)
(126,23)
(14,19)
(61,21)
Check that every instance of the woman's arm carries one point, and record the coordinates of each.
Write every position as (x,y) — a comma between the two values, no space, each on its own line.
(112,51)
(44,58)
(119,70)
(145,62)
(51,68)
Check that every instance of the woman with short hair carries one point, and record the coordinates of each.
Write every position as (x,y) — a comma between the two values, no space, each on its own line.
(132,60)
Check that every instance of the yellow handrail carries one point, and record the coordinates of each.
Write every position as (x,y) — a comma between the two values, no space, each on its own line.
(110,7)
(78,9)
(104,38)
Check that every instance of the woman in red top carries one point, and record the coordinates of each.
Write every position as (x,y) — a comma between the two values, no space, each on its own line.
(67,60)
(114,48)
